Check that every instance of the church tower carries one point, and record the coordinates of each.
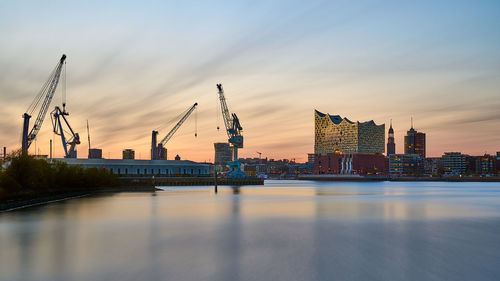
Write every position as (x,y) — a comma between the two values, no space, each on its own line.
(391,146)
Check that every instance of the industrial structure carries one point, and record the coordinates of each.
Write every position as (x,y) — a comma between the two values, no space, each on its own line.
(140,168)
(94,153)
(233,130)
(334,134)
(158,149)
(60,123)
(42,100)
(68,142)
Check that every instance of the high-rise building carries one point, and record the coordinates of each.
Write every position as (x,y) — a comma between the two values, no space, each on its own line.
(128,154)
(415,142)
(334,134)
(391,145)
(223,153)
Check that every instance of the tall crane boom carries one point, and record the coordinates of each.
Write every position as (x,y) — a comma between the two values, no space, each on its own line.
(157,149)
(178,125)
(225,111)
(47,92)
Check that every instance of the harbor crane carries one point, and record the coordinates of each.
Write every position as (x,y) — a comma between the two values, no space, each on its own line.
(69,143)
(232,123)
(158,151)
(44,97)
(233,130)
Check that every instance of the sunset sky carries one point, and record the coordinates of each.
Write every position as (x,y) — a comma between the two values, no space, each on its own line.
(133,66)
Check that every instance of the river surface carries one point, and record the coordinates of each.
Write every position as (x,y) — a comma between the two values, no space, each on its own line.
(285,230)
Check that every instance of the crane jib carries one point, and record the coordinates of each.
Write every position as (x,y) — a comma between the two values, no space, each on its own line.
(47,93)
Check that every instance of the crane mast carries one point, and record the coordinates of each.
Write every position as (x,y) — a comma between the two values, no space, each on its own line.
(157,149)
(47,92)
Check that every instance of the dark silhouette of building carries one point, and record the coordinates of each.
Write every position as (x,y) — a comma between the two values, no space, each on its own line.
(128,154)
(95,153)
(415,142)
(391,146)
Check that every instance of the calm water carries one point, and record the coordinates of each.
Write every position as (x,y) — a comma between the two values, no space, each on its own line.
(285,230)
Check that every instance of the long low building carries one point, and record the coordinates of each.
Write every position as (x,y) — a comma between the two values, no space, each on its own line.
(129,167)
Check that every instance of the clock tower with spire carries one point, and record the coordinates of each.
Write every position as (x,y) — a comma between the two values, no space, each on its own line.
(391,146)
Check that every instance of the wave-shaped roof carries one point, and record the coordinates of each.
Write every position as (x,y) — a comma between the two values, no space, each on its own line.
(337,119)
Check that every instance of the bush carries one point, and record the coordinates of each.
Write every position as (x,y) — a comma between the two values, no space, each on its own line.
(26,174)
(8,184)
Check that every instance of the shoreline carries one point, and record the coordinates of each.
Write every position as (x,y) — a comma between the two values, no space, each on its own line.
(360,178)
(42,199)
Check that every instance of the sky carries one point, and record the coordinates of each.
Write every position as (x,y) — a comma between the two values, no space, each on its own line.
(134,66)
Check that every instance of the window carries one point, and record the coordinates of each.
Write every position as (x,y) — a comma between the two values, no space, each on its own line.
(138,171)
(126,171)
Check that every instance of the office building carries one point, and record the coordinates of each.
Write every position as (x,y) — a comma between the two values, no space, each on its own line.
(487,164)
(415,142)
(454,163)
(406,165)
(433,166)
(334,134)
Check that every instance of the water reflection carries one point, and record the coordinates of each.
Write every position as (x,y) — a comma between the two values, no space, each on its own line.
(282,231)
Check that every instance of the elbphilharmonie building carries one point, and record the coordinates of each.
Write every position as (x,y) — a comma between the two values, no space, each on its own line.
(334,134)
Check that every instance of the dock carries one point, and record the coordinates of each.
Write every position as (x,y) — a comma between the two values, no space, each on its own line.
(187,181)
